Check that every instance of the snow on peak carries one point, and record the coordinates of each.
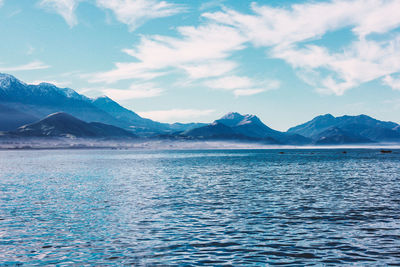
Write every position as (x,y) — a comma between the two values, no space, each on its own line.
(6,80)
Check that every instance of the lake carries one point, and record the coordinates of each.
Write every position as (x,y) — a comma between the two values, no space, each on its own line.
(204,207)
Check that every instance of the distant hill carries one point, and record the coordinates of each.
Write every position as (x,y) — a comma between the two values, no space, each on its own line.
(64,125)
(337,136)
(357,129)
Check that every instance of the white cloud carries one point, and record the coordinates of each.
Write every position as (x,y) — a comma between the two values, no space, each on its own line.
(284,30)
(34,65)
(56,83)
(362,61)
(205,52)
(197,52)
(135,12)
(144,90)
(124,71)
(247,92)
(241,85)
(120,94)
(230,83)
(66,8)
(392,82)
(173,115)
(1,2)
(283,26)
(209,69)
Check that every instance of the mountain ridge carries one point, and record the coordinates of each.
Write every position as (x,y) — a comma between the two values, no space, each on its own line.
(43,99)
(22,105)
(365,127)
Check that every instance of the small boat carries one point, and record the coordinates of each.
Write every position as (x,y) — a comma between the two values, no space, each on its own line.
(386,151)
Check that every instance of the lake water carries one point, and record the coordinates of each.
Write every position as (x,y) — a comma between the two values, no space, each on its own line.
(243,207)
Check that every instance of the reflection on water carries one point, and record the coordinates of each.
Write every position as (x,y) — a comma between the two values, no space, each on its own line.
(200,207)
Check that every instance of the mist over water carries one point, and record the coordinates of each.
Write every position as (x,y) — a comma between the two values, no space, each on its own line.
(200,207)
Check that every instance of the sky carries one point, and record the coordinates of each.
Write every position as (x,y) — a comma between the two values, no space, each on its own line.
(194,61)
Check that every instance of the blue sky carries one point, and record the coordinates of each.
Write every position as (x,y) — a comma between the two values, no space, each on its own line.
(285,61)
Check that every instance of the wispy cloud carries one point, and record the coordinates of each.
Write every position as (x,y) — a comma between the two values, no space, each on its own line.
(283,26)
(197,52)
(135,12)
(66,8)
(34,65)
(1,2)
(132,93)
(362,61)
(211,4)
(393,82)
(56,83)
(283,32)
(173,115)
(230,83)
(205,52)
(209,69)
(141,90)
(242,85)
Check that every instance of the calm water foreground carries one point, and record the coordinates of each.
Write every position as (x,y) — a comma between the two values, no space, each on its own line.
(254,207)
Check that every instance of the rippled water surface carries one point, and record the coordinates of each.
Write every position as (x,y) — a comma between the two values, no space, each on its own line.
(254,207)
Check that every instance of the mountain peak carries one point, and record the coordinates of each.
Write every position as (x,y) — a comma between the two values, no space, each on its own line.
(235,119)
(46,84)
(6,80)
(231,116)
(248,118)
(59,116)
(103,97)
(326,116)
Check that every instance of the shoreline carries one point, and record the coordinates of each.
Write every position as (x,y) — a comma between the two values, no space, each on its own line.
(85,144)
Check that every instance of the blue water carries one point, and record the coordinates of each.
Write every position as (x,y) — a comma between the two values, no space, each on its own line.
(244,207)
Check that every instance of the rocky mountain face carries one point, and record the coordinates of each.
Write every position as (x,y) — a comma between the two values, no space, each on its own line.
(348,129)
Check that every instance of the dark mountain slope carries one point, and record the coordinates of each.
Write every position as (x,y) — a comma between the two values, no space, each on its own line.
(213,131)
(10,119)
(64,125)
(337,136)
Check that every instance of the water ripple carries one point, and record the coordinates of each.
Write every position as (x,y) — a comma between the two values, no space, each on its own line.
(303,207)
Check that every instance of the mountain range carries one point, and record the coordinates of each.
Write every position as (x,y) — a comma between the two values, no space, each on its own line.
(45,110)
(327,129)
(26,103)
